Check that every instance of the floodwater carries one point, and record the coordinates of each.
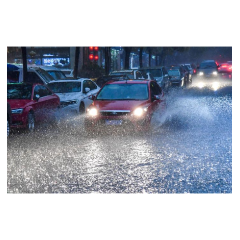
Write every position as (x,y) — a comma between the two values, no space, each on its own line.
(188,150)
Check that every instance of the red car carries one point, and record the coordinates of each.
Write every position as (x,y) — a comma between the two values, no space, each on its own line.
(225,70)
(30,103)
(125,103)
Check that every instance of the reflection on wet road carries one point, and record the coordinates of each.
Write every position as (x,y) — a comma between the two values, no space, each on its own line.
(188,150)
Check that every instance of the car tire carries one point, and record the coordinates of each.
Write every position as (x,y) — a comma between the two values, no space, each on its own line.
(31,122)
(8,128)
(81,108)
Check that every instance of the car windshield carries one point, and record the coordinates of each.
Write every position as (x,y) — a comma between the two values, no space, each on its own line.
(154,72)
(57,75)
(65,87)
(126,91)
(47,77)
(208,65)
(19,91)
(174,73)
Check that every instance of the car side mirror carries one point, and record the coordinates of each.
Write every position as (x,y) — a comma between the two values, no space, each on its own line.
(92,97)
(87,90)
(36,97)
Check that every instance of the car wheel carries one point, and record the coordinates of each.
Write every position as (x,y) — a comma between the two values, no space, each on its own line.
(31,122)
(81,108)
(8,128)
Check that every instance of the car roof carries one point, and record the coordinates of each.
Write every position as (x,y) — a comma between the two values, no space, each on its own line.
(70,80)
(208,61)
(129,81)
(50,68)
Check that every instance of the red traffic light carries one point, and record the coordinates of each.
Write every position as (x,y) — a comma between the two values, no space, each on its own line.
(96,57)
(96,48)
(91,56)
(90,48)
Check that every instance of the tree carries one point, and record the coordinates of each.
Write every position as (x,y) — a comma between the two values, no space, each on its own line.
(107,60)
(75,72)
(24,60)
(12,52)
(127,56)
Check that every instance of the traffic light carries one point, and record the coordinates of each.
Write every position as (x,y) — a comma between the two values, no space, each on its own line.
(93,53)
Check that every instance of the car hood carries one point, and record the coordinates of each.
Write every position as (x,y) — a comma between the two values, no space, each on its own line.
(68,96)
(19,103)
(207,70)
(119,105)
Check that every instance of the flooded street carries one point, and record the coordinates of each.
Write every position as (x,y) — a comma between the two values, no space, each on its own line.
(188,150)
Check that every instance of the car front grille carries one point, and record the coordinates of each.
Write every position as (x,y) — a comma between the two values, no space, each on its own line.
(115,113)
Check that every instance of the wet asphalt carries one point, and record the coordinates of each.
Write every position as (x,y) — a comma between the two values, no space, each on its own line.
(188,150)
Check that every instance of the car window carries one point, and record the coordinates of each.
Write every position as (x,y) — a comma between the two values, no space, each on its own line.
(13,76)
(42,91)
(45,75)
(126,91)
(19,91)
(205,65)
(89,84)
(65,87)
(57,75)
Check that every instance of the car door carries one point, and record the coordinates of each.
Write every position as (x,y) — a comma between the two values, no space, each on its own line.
(38,106)
(93,91)
(46,103)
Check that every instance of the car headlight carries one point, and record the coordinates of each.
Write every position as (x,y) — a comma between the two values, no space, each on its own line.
(92,112)
(215,73)
(138,112)
(215,86)
(17,111)
(201,73)
(201,85)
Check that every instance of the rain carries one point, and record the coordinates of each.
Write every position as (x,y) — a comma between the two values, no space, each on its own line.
(187,150)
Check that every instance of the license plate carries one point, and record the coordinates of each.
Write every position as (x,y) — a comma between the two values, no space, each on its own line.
(113,122)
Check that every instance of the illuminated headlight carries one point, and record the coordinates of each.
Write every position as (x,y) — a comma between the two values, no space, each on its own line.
(17,111)
(92,112)
(215,73)
(201,73)
(215,86)
(201,85)
(138,112)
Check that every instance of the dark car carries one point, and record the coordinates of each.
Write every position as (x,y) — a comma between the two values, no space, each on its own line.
(225,70)
(183,73)
(9,118)
(207,70)
(188,74)
(30,103)
(129,103)
(104,79)
(160,74)
(176,78)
